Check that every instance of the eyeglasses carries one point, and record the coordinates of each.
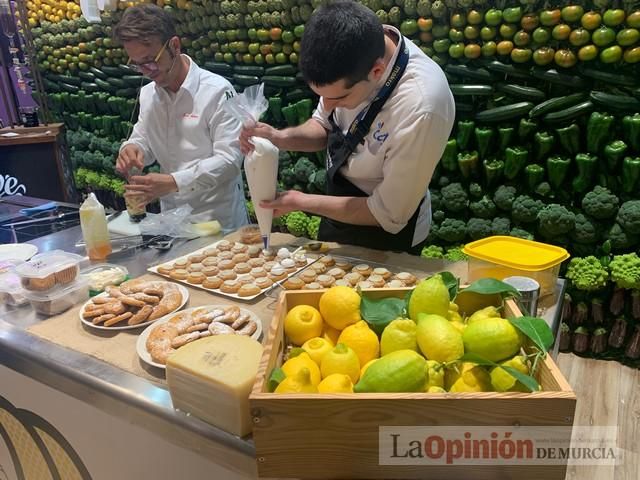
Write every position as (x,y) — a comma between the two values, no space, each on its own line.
(149,67)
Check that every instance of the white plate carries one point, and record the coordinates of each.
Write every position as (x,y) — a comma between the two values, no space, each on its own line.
(185,298)
(141,344)
(17,251)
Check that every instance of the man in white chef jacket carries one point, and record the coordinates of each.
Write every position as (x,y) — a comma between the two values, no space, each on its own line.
(181,125)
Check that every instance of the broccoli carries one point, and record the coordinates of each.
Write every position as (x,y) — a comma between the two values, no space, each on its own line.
(454,197)
(483,208)
(433,233)
(288,177)
(432,251)
(475,190)
(504,197)
(303,169)
(318,180)
(555,220)
(629,217)
(455,254)
(284,159)
(313,226)
(587,273)
(478,228)
(452,230)
(585,230)
(625,270)
(543,189)
(436,200)
(582,249)
(600,203)
(438,216)
(525,209)
(620,240)
(521,233)
(443,181)
(297,223)
(500,226)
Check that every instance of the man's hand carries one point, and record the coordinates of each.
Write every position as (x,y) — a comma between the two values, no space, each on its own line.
(151,186)
(258,130)
(286,202)
(130,156)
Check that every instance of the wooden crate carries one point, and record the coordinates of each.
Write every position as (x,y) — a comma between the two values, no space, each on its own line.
(335,436)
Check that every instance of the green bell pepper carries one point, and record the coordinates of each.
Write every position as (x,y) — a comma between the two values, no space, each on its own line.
(483,140)
(557,169)
(449,158)
(569,138)
(526,128)
(66,100)
(91,103)
(613,153)
(598,131)
(465,130)
(542,145)
(304,109)
(82,100)
(505,137)
(630,174)
(631,129)
(275,109)
(587,165)
(468,163)
(515,158)
(534,174)
(493,171)
(290,115)
(114,104)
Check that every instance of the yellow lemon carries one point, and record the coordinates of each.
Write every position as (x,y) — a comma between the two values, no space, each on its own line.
(492,338)
(302,323)
(503,381)
(459,326)
(454,316)
(435,375)
(486,312)
(331,334)
(362,340)
(438,339)
(429,296)
(336,383)
(399,335)
(299,383)
(436,390)
(340,307)
(316,348)
(467,377)
(341,359)
(292,366)
(367,365)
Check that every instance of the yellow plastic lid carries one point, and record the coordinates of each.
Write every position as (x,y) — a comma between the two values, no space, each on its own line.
(516,253)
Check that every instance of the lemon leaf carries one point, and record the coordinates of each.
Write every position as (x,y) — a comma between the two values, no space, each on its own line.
(296,351)
(526,380)
(380,313)
(536,329)
(277,376)
(452,283)
(477,359)
(491,286)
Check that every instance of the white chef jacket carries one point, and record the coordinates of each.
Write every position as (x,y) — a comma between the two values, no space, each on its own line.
(405,142)
(196,141)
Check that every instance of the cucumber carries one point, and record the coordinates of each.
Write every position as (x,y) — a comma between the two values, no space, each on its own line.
(464,108)
(281,70)
(557,103)
(127,70)
(461,90)
(117,82)
(90,87)
(134,81)
(69,80)
(253,70)
(464,71)
(298,94)
(245,80)
(610,78)
(54,77)
(219,68)
(112,71)
(277,81)
(528,94)
(69,88)
(501,114)
(613,102)
(98,73)
(568,114)
(105,85)
(506,69)
(553,76)
(300,78)
(50,86)
(126,92)
(86,76)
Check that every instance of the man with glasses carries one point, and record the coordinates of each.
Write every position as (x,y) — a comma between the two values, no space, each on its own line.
(181,125)
(385,115)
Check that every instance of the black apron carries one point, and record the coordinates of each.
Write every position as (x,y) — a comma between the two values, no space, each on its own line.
(339,148)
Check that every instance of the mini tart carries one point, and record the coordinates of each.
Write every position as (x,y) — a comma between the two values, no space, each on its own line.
(300,259)
(241,258)
(363,269)
(269,265)
(179,274)
(256,262)
(283,253)
(308,276)
(245,279)
(242,268)
(249,290)
(337,273)
(263,282)
(227,275)
(212,282)
(377,281)
(277,273)
(254,251)
(325,280)
(239,248)
(210,271)
(294,284)
(230,286)
(196,277)
(407,278)
(346,266)
(210,252)
(258,272)
(341,282)
(224,245)
(181,263)
(353,278)
(226,264)
(225,255)
(195,267)
(196,258)
(364,284)
(319,268)
(383,272)
(288,264)
(210,262)
(313,286)
(165,269)
(328,260)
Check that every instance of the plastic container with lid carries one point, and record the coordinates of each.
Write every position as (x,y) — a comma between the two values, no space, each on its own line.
(103,275)
(49,270)
(502,256)
(60,300)
(11,291)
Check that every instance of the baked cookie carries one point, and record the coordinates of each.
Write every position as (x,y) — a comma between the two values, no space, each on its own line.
(300,258)
(364,284)
(212,282)
(196,278)
(256,262)
(179,274)
(254,251)
(210,262)
(239,248)
(376,280)
(242,268)
(263,282)
(210,252)
(196,258)
(181,263)
(225,255)
(268,255)
(277,273)
(395,283)
(210,271)
(226,264)
(344,265)
(308,276)
(165,269)
(294,284)
(230,286)
(258,272)
(341,282)
(245,279)
(227,275)
(407,278)
(353,278)
(313,286)
(248,290)
(224,245)
(325,280)
(283,253)
(363,269)
(383,272)
(195,267)
(241,258)
(336,273)
(268,265)
(319,268)
(288,264)
(328,260)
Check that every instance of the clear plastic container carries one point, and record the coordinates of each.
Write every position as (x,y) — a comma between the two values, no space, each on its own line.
(93,222)
(501,256)
(103,275)
(60,300)
(49,270)
(11,291)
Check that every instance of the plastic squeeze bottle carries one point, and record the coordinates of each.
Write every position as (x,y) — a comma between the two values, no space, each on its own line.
(93,222)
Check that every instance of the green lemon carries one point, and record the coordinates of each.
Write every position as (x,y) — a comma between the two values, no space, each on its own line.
(399,335)
(399,371)
(486,312)
(492,338)
(429,296)
(503,381)
(438,339)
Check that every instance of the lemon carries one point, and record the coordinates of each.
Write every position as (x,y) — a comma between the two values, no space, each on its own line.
(435,375)
(316,348)
(292,366)
(503,381)
(467,377)
(336,383)
(429,296)
(298,383)
(492,338)
(454,316)
(341,359)
(438,339)
(302,323)
(436,390)
(400,334)
(331,334)
(459,326)
(399,371)
(367,365)
(362,340)
(486,312)
(340,307)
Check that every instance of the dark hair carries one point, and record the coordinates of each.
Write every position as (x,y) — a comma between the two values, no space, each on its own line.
(143,22)
(341,40)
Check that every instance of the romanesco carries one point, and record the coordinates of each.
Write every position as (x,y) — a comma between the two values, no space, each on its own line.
(629,216)
(432,251)
(625,270)
(297,223)
(587,273)
(455,254)
(600,203)
(313,226)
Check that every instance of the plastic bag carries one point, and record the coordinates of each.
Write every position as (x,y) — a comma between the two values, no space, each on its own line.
(172,223)
(248,106)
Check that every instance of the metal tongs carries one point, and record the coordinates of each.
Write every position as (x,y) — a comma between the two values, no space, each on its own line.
(132,242)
